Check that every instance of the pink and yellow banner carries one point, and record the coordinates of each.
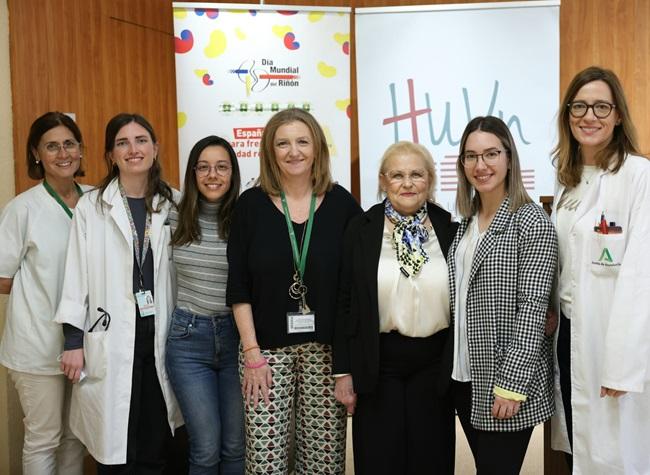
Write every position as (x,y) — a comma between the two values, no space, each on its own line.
(236,65)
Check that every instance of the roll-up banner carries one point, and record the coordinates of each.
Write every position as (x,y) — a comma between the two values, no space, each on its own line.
(424,72)
(236,65)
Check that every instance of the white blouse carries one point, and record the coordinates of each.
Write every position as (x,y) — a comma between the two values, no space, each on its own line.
(464,258)
(566,209)
(416,306)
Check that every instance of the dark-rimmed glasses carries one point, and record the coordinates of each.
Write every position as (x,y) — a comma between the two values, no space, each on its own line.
(601,109)
(489,157)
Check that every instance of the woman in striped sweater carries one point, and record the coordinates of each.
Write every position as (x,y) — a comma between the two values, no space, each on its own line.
(203,343)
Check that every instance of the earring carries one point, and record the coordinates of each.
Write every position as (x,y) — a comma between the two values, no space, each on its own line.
(37,162)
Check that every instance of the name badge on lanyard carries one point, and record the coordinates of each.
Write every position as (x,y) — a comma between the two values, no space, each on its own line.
(298,322)
(303,321)
(143,298)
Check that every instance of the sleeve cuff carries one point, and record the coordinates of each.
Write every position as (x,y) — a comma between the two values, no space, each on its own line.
(511,395)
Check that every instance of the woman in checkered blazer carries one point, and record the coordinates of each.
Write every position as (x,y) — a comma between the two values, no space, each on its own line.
(501,268)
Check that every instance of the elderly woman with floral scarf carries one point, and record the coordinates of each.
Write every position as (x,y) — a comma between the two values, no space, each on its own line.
(393,323)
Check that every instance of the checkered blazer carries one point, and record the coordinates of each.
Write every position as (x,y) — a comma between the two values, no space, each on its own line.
(507,298)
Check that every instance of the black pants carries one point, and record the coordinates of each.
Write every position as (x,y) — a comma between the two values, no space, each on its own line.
(564,363)
(495,453)
(149,436)
(404,427)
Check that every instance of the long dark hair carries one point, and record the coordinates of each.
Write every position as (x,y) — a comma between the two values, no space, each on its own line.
(40,127)
(189,230)
(155,184)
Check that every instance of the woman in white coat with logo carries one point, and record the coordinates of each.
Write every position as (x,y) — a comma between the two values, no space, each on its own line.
(602,215)
(34,229)
(117,295)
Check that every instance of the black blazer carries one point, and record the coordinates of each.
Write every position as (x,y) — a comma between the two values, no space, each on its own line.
(355,346)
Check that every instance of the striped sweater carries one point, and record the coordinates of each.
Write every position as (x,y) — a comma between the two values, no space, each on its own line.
(201,267)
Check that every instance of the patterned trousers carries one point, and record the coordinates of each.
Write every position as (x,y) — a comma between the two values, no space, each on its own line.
(301,373)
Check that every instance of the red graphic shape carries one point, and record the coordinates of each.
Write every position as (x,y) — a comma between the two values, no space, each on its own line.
(290,41)
(346,48)
(348,111)
(411,115)
(207,81)
(184,43)
(287,12)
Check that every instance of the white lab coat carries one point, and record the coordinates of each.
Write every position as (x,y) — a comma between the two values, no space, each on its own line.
(610,326)
(98,273)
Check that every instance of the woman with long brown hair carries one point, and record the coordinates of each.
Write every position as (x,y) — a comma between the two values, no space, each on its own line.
(602,215)
(117,294)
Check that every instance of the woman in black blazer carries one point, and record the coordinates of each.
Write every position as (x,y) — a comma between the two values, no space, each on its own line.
(392,323)
(501,267)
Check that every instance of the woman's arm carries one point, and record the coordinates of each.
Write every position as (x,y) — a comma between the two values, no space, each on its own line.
(258,377)
(536,264)
(5,285)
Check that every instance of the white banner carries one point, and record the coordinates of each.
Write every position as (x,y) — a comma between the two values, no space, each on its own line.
(424,72)
(236,66)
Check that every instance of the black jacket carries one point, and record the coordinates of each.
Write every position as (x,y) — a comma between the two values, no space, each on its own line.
(356,332)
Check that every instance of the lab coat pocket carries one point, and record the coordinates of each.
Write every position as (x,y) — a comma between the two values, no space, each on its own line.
(607,252)
(95,354)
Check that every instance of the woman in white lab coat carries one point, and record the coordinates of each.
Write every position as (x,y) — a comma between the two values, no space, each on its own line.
(602,215)
(117,295)
(34,229)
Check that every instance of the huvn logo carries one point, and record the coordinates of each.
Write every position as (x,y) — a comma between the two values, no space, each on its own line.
(257,76)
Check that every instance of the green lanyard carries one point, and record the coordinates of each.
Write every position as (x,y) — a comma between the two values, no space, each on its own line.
(299,256)
(58,199)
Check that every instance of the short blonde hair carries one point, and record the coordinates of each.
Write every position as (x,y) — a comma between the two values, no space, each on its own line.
(468,202)
(269,179)
(409,148)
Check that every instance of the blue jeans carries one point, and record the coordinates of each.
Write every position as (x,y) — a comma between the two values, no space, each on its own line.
(202,362)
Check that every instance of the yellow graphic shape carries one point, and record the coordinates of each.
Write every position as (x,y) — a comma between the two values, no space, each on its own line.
(248,85)
(238,11)
(341,38)
(330,141)
(315,16)
(181,119)
(200,73)
(342,104)
(240,34)
(281,30)
(326,70)
(217,44)
(180,13)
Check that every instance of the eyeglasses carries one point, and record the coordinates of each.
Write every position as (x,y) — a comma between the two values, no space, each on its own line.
(69,146)
(470,159)
(399,177)
(204,169)
(601,109)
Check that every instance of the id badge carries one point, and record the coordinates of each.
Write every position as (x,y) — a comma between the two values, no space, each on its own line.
(145,303)
(298,322)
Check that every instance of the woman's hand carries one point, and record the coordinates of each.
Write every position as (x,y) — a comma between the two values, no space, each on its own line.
(611,392)
(551,322)
(344,392)
(72,362)
(504,408)
(257,381)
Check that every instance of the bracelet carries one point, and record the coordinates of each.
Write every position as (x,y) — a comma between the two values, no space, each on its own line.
(250,348)
(257,365)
